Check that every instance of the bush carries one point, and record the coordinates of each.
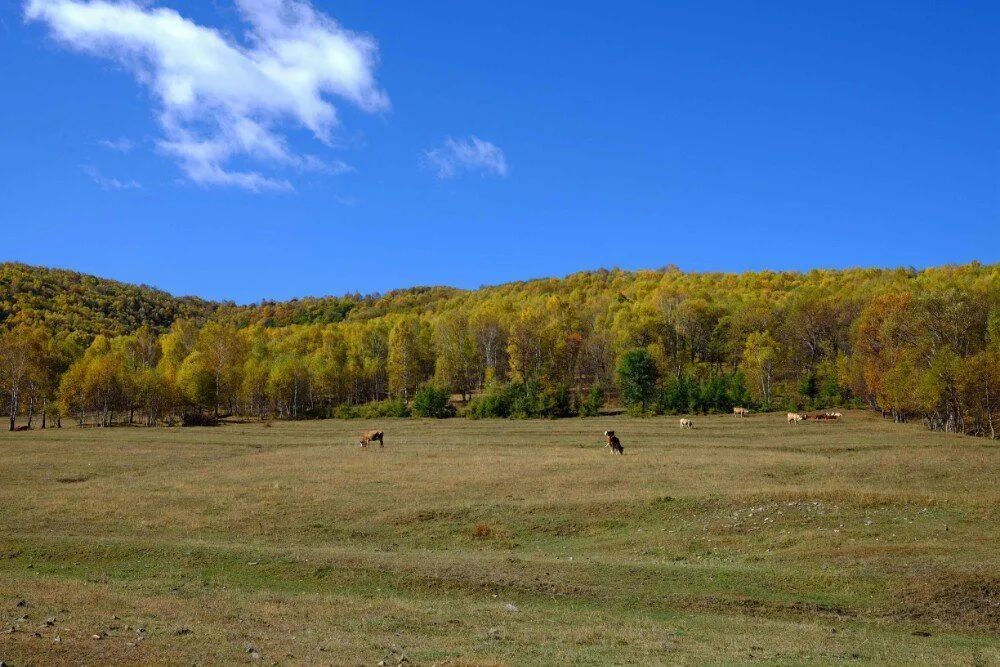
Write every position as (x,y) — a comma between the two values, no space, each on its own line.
(555,402)
(394,407)
(591,406)
(198,418)
(637,377)
(492,403)
(524,398)
(521,400)
(685,394)
(433,401)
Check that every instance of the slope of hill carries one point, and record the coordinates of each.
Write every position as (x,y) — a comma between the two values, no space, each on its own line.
(67,301)
(71,302)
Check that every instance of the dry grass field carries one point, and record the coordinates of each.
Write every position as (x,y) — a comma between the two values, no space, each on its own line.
(501,542)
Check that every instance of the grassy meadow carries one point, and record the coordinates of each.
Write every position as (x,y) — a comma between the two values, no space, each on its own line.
(501,542)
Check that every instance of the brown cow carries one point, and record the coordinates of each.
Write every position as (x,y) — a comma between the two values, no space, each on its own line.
(614,443)
(371,436)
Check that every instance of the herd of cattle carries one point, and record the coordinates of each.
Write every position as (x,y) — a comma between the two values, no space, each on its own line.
(368,437)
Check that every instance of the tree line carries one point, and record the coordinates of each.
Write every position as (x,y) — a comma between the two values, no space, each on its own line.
(917,345)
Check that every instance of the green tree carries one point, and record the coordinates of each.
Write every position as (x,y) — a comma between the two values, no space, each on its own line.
(637,376)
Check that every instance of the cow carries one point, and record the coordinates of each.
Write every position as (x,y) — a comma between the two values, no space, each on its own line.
(614,443)
(741,412)
(371,436)
(794,417)
(686,423)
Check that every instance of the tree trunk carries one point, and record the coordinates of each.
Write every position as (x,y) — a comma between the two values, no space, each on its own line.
(13,409)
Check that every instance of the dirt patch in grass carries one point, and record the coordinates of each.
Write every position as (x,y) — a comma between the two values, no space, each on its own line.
(72,479)
(967,601)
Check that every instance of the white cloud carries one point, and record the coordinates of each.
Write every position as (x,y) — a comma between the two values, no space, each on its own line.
(466,155)
(110,183)
(120,145)
(220,100)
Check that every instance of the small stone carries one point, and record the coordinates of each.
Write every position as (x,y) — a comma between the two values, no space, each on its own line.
(512,607)
(36,635)
(382,663)
(57,639)
(95,636)
(22,619)
(50,621)
(182,631)
(21,603)
(254,655)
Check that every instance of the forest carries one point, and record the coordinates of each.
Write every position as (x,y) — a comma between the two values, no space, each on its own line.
(914,344)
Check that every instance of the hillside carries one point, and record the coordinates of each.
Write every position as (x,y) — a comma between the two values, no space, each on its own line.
(71,302)
(916,344)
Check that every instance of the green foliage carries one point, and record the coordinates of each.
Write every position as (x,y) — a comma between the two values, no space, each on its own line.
(637,376)
(433,401)
(522,400)
(687,394)
(389,408)
(592,404)
(494,402)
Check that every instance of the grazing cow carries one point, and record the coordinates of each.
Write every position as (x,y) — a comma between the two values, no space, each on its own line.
(372,436)
(687,423)
(741,412)
(794,417)
(614,443)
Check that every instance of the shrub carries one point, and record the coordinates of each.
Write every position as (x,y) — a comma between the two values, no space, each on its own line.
(521,400)
(555,402)
(394,407)
(524,398)
(492,403)
(198,418)
(637,377)
(591,406)
(433,401)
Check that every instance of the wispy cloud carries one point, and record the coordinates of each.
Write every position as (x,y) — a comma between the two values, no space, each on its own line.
(220,100)
(466,155)
(120,145)
(110,183)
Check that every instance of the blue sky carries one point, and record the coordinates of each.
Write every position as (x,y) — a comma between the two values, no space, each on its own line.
(468,143)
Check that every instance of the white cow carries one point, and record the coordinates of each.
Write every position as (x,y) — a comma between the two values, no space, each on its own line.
(687,423)
(794,417)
